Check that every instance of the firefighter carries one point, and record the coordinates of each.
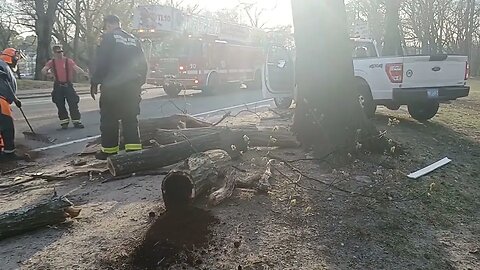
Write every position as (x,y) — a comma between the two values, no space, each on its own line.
(120,71)
(8,87)
(61,68)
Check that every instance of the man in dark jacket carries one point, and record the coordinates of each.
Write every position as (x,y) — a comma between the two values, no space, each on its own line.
(8,88)
(120,70)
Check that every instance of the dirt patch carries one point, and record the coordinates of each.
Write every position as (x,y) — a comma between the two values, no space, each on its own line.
(177,236)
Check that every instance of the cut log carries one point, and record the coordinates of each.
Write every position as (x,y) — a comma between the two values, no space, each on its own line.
(254,137)
(224,192)
(46,212)
(169,154)
(194,177)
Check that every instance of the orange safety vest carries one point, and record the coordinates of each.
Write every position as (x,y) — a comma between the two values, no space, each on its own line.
(5,107)
(5,110)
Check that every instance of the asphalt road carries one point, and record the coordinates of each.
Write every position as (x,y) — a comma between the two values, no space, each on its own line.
(42,113)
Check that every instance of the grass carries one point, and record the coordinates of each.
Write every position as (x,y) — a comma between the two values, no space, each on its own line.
(25,84)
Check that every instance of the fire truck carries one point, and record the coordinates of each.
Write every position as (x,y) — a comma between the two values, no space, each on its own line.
(188,51)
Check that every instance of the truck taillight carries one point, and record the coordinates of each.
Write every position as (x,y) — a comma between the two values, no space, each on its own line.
(181,68)
(467,70)
(395,72)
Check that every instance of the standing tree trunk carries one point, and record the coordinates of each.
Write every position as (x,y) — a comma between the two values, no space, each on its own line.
(76,38)
(470,18)
(393,41)
(45,18)
(328,115)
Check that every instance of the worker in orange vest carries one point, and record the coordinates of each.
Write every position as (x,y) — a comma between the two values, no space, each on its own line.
(8,87)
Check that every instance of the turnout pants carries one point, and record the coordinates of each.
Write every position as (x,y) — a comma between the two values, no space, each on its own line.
(7,130)
(65,93)
(120,104)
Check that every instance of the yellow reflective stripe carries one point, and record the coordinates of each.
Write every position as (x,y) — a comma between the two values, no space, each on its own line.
(76,121)
(110,150)
(133,147)
(65,121)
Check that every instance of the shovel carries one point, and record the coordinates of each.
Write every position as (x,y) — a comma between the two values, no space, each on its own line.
(31,135)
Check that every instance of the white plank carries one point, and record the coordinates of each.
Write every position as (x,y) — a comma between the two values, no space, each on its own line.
(429,168)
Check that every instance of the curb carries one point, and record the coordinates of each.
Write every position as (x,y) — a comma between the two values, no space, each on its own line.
(44,95)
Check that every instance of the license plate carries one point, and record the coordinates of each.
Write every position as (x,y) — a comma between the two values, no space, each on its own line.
(432,93)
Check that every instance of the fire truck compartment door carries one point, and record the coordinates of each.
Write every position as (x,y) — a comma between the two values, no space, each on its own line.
(278,73)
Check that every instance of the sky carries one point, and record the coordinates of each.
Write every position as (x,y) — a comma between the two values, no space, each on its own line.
(278,11)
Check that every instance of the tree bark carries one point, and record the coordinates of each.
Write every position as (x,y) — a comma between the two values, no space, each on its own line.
(28,218)
(169,154)
(198,174)
(44,21)
(328,115)
(76,38)
(392,45)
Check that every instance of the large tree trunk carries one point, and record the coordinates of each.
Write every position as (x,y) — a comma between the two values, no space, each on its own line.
(169,154)
(328,115)
(28,218)
(393,41)
(43,28)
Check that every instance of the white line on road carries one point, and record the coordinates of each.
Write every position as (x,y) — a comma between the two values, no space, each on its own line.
(195,115)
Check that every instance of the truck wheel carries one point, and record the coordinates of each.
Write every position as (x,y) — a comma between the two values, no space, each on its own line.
(213,84)
(283,103)
(365,98)
(423,111)
(172,90)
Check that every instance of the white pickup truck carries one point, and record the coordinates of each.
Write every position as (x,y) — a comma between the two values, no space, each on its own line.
(420,82)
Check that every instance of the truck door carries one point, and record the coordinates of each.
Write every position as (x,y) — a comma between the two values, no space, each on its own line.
(278,74)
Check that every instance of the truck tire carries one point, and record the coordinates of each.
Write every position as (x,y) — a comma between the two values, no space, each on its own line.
(365,98)
(212,86)
(283,103)
(423,111)
(172,90)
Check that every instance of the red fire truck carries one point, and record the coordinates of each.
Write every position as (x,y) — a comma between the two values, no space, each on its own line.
(196,52)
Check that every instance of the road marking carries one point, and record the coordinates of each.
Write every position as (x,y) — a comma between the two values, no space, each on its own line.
(195,115)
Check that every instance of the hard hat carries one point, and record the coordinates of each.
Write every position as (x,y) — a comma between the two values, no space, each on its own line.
(7,55)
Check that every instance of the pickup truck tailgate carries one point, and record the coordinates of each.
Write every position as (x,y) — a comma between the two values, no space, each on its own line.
(433,71)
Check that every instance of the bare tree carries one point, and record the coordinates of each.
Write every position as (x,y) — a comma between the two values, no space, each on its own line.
(40,15)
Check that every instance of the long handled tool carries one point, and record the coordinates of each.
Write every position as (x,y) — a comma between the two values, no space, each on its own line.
(28,122)
(32,135)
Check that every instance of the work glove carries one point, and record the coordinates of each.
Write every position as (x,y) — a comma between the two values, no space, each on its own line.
(93,90)
(18,103)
